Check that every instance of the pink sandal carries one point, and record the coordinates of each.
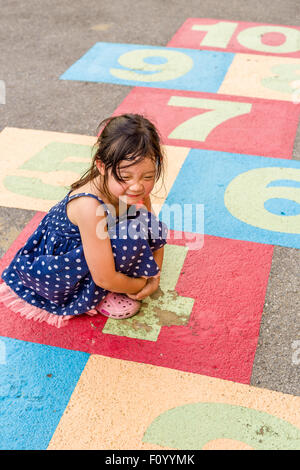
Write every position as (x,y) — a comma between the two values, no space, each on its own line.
(118,306)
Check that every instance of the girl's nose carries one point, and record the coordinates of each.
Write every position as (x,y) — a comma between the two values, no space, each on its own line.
(136,187)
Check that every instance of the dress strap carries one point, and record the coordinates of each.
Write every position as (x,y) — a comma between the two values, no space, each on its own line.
(109,215)
(84,194)
(111,220)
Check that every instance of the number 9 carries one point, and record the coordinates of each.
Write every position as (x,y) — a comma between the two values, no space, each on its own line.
(177,64)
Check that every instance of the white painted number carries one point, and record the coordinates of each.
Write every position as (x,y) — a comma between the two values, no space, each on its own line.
(247,193)
(218,34)
(176,64)
(251,38)
(199,127)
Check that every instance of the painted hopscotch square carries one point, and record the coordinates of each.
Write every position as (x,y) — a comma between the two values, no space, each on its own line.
(218,122)
(125,405)
(36,383)
(151,66)
(274,78)
(245,197)
(189,333)
(238,36)
(39,166)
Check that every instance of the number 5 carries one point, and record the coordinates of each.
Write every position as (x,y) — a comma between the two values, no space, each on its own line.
(199,127)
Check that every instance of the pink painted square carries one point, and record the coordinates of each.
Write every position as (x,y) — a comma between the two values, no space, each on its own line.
(238,36)
(228,280)
(251,126)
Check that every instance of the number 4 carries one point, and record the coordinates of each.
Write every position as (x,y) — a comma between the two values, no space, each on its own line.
(199,127)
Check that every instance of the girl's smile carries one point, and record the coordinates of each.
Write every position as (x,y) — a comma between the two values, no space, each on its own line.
(134,195)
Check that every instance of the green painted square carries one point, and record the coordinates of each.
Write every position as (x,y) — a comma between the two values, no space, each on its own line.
(163,308)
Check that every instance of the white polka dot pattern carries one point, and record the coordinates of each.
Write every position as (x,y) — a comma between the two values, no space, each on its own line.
(50,272)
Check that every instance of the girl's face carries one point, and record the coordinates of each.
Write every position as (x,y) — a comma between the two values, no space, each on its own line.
(138,179)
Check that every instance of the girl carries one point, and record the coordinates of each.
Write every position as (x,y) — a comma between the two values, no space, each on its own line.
(101,241)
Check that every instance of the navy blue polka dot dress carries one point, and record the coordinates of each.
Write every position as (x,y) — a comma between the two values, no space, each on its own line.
(50,271)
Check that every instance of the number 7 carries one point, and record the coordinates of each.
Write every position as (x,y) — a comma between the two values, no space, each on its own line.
(199,127)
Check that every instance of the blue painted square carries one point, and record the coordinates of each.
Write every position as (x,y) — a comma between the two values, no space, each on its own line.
(36,383)
(152,66)
(207,177)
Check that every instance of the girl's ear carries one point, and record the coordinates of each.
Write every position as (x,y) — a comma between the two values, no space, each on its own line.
(101,167)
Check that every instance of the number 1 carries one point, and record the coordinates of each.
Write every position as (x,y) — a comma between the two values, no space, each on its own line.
(218,34)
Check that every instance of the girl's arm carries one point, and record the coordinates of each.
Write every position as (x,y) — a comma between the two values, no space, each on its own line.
(152,282)
(124,284)
(92,224)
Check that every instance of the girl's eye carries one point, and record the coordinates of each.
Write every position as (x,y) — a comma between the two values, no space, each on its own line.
(127,178)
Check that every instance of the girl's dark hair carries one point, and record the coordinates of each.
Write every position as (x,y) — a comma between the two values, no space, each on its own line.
(128,137)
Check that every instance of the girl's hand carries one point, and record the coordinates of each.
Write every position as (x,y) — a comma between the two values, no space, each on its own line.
(150,287)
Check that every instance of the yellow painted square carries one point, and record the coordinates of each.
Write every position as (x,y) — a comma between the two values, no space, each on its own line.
(259,76)
(27,183)
(125,405)
(17,148)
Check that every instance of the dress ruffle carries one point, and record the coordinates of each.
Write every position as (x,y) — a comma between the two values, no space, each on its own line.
(18,305)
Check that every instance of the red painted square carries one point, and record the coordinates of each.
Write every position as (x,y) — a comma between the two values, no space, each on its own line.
(273,39)
(269,129)
(228,280)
